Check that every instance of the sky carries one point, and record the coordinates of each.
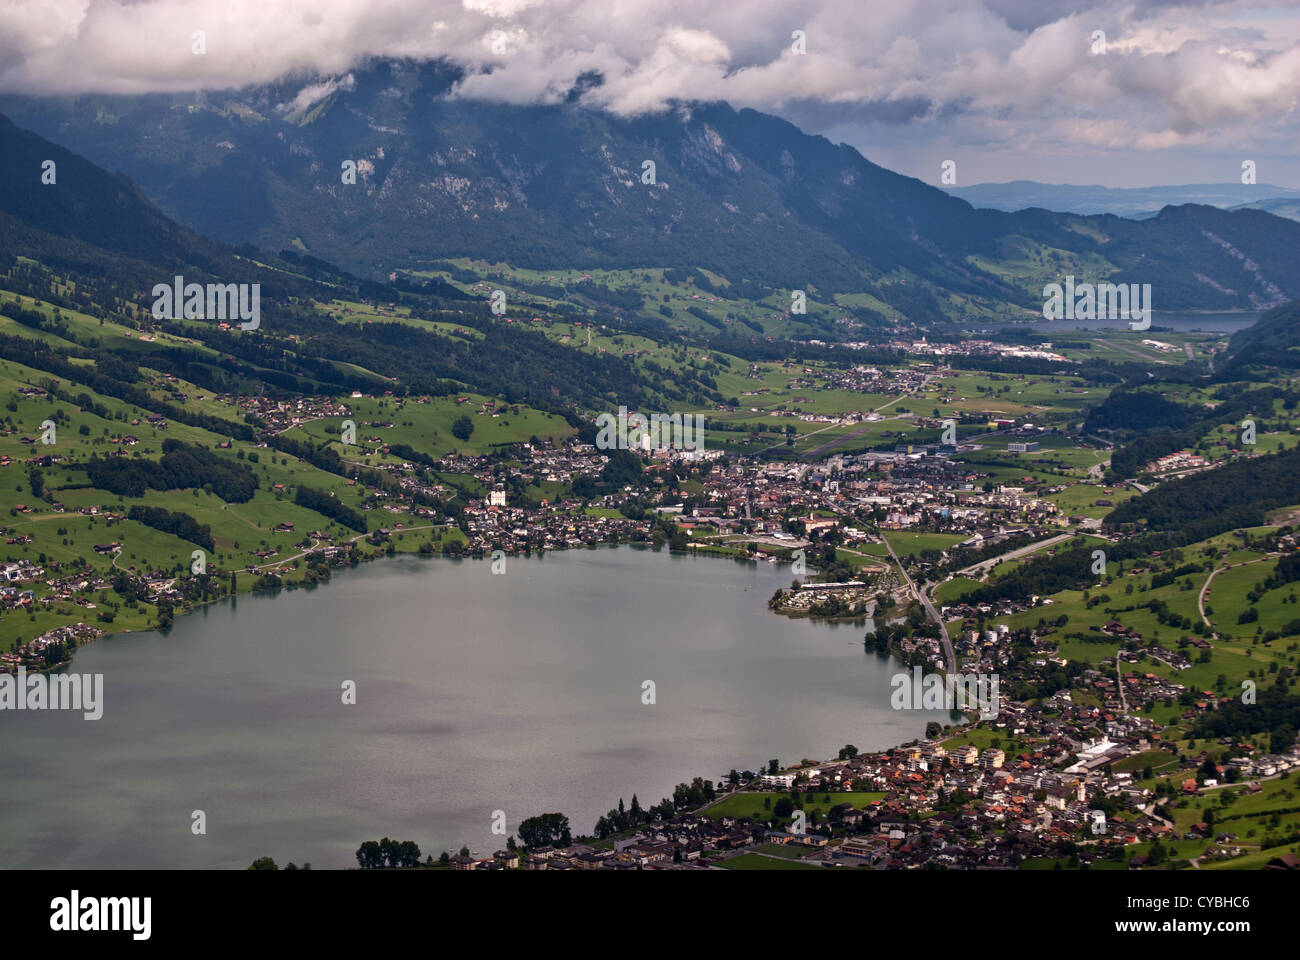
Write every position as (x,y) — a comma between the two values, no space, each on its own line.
(1060,91)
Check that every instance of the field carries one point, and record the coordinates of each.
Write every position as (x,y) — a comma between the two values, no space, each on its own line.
(908,544)
(751,804)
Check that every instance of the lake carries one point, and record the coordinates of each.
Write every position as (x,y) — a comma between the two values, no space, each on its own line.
(475,692)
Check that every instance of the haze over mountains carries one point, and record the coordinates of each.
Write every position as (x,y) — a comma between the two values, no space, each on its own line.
(1134,202)
(740,193)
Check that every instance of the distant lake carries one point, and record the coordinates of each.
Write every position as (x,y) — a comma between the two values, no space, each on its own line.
(475,693)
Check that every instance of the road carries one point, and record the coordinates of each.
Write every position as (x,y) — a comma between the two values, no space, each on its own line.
(1119,685)
(830,445)
(949,658)
(1200,597)
(316,543)
(984,566)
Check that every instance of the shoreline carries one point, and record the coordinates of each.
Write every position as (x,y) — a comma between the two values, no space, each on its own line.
(352,560)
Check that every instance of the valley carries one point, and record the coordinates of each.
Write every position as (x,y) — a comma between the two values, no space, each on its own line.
(936,476)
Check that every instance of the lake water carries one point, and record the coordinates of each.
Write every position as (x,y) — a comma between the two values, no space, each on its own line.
(475,693)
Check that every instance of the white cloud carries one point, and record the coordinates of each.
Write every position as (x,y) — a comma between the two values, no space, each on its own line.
(966,70)
(316,92)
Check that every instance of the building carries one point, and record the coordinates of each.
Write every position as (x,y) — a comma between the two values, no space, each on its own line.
(993,758)
(856,847)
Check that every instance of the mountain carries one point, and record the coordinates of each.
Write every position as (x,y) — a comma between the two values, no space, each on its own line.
(1288,207)
(93,245)
(84,207)
(1271,341)
(1134,202)
(742,194)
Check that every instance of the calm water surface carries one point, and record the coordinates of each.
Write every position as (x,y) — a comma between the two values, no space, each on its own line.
(475,693)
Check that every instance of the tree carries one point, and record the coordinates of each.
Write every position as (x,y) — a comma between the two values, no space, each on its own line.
(408,854)
(545,829)
(462,428)
(1209,769)
(368,856)
(783,807)
(1282,738)
(263,863)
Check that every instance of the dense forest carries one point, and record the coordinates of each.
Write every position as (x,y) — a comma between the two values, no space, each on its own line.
(1238,494)
(1158,426)
(181,467)
(326,505)
(174,522)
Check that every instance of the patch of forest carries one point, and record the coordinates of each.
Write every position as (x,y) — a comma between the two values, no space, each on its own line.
(182,466)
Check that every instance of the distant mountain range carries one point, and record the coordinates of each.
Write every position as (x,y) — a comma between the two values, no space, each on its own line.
(1134,202)
(742,194)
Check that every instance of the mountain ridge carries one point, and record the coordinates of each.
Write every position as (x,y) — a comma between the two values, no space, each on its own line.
(1128,202)
(741,193)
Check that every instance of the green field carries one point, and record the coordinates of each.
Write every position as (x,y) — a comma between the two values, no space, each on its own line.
(750,805)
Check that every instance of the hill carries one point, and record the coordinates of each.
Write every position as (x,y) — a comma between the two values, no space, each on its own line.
(1272,341)
(1133,202)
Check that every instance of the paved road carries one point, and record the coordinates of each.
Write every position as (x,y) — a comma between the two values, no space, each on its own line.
(985,565)
(1200,597)
(1119,683)
(832,444)
(950,659)
(316,543)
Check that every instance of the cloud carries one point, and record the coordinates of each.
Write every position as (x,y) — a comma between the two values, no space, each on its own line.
(316,92)
(971,70)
